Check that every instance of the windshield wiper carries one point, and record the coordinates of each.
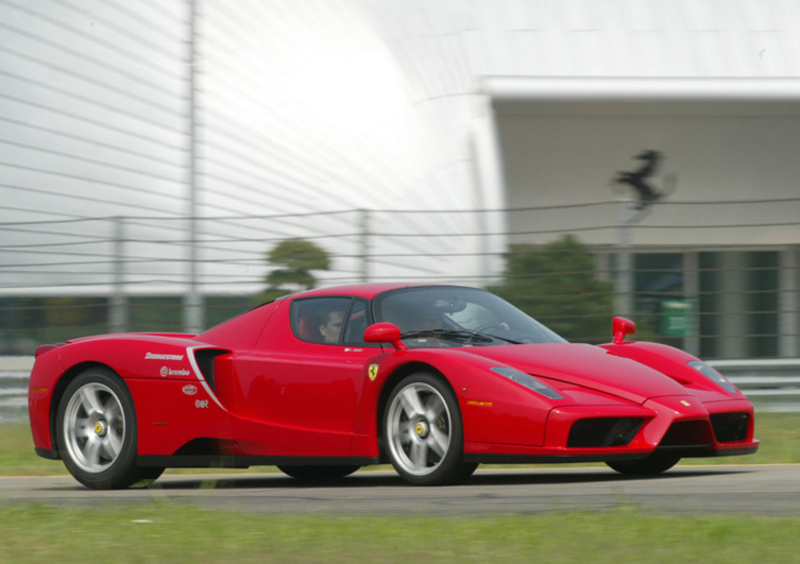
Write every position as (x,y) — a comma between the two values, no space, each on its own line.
(456,335)
(512,341)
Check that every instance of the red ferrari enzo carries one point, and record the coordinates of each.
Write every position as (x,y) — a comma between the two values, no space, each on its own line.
(434,379)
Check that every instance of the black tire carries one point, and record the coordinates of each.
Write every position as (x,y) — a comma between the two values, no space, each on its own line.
(96,432)
(656,463)
(318,473)
(423,433)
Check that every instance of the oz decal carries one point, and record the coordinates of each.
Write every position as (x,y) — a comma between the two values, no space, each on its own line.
(373,371)
(201,404)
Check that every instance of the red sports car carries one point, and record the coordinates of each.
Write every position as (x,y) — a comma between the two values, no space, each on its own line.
(434,379)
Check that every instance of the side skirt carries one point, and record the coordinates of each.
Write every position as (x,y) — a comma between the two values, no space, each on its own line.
(233,461)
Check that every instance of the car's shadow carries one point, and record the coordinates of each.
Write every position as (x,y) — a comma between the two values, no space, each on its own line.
(381,479)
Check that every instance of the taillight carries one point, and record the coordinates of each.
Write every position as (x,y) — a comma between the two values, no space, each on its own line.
(47,348)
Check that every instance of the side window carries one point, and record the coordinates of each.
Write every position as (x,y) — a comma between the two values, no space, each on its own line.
(357,321)
(319,320)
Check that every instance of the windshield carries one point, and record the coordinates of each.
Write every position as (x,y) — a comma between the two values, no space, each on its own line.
(446,316)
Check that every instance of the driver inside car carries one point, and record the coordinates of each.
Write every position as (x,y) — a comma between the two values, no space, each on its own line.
(331,326)
(420,325)
(425,321)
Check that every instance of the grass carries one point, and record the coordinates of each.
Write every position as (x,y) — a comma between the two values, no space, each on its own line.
(166,533)
(17,457)
(779,434)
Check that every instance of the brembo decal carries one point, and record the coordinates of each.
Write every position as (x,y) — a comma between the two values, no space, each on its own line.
(165,371)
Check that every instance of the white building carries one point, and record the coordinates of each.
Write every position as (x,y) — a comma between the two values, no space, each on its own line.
(319,106)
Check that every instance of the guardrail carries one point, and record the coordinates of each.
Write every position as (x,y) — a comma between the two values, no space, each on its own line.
(15,372)
(772,385)
(13,396)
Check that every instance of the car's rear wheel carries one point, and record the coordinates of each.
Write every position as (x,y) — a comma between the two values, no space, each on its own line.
(656,463)
(318,473)
(423,433)
(96,432)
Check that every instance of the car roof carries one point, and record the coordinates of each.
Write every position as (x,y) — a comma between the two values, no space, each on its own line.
(368,291)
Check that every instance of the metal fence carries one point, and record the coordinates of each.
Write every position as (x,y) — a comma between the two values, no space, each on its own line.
(67,278)
(14,376)
(772,385)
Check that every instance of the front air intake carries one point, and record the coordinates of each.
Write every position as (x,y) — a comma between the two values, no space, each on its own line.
(729,427)
(687,433)
(603,432)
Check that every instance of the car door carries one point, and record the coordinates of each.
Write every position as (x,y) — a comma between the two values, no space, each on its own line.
(301,384)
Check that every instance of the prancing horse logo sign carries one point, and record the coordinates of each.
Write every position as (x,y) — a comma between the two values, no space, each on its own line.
(640,179)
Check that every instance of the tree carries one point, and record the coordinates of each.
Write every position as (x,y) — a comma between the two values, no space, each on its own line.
(297,258)
(556,285)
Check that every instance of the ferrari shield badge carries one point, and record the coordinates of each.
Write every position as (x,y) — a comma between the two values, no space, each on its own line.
(373,371)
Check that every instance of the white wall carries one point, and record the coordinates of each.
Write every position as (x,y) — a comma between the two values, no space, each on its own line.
(552,160)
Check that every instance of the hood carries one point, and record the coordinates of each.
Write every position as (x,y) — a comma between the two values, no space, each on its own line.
(587,366)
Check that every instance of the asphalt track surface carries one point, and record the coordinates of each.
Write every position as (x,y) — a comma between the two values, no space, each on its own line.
(747,489)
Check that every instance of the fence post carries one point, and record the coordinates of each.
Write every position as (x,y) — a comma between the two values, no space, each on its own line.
(734,328)
(193,301)
(193,310)
(789,288)
(623,301)
(364,251)
(118,313)
(691,289)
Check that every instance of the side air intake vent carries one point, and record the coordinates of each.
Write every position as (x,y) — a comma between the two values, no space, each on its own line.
(604,432)
(205,361)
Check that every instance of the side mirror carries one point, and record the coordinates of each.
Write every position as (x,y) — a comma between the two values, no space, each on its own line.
(622,327)
(384,333)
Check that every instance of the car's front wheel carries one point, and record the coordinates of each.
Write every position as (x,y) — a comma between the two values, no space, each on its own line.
(656,463)
(96,432)
(423,433)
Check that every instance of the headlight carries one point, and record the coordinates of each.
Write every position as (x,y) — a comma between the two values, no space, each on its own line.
(528,381)
(712,374)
